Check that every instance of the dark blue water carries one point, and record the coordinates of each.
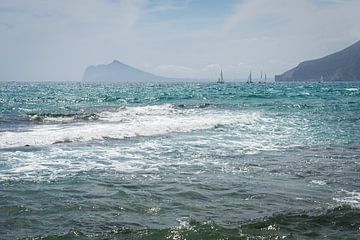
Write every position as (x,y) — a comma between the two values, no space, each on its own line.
(179,161)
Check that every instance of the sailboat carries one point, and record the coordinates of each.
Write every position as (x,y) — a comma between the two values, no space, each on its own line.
(249,78)
(265,78)
(221,78)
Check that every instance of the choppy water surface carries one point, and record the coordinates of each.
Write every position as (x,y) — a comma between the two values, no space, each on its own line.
(179,161)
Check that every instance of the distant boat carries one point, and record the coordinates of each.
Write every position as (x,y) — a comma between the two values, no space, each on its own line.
(221,78)
(265,78)
(249,80)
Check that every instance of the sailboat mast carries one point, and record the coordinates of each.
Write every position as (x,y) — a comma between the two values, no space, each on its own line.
(221,78)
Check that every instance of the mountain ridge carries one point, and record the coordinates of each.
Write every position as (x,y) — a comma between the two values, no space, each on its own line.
(343,65)
(117,71)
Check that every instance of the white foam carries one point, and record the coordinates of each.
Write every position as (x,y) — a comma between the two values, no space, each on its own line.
(48,119)
(125,123)
(245,133)
(351,197)
(318,182)
(352,89)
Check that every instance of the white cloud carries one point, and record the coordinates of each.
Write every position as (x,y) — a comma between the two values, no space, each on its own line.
(293,31)
(45,40)
(56,40)
(166,5)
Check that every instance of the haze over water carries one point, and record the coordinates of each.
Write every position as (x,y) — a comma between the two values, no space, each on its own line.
(179,161)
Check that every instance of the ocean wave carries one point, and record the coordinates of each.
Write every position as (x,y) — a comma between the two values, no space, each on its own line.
(352,89)
(62,118)
(349,197)
(318,182)
(124,123)
(342,222)
(190,106)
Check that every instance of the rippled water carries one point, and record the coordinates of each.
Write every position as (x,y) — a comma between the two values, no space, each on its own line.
(179,161)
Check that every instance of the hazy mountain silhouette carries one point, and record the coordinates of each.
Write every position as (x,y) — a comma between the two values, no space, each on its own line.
(120,72)
(340,66)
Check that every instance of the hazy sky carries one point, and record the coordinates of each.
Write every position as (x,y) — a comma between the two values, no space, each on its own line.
(55,40)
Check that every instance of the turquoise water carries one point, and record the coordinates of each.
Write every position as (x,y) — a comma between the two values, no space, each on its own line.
(179,161)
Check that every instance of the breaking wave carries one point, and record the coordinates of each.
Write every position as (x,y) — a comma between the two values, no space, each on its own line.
(123,123)
(62,118)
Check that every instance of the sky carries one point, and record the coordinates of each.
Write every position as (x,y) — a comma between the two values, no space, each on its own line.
(52,40)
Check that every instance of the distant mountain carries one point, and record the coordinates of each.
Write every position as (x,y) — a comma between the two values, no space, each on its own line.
(341,66)
(119,72)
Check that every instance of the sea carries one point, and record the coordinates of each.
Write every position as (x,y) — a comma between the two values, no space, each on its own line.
(179,161)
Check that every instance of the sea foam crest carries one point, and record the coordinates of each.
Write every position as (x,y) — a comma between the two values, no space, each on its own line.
(126,123)
(351,197)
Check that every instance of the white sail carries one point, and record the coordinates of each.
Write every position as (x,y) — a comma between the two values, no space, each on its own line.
(221,78)
(249,78)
